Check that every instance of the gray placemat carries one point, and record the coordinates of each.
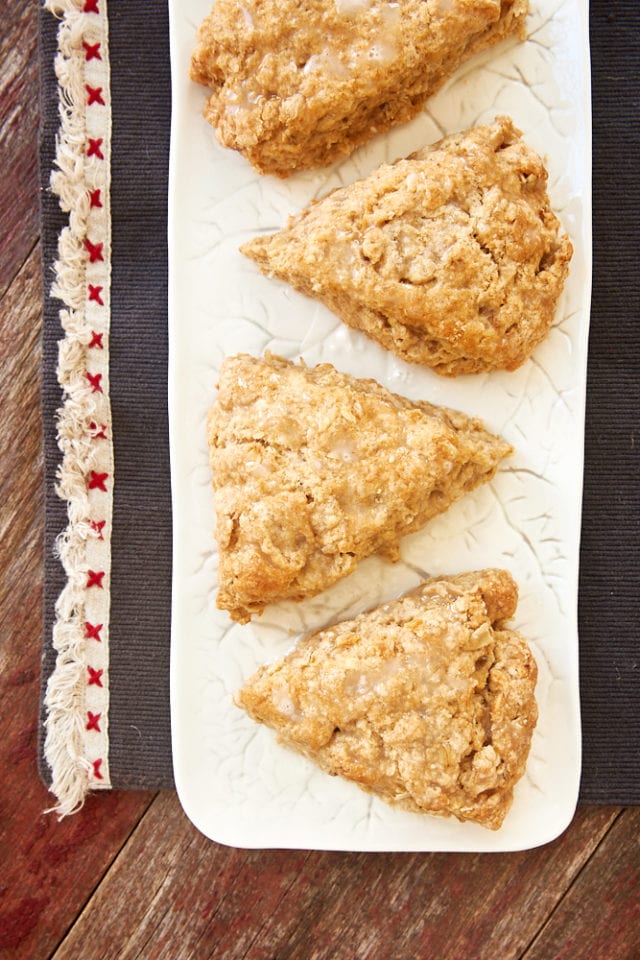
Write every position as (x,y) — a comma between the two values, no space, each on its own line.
(609,610)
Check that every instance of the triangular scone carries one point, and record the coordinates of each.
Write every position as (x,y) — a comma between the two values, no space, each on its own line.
(427,701)
(299,83)
(451,258)
(313,470)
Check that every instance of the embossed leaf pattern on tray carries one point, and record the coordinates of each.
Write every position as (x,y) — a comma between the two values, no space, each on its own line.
(237,785)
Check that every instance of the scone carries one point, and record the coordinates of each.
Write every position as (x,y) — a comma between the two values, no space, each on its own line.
(452,258)
(299,83)
(427,702)
(313,470)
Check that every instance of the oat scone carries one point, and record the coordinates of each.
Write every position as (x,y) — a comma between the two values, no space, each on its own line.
(428,701)
(452,258)
(299,83)
(313,470)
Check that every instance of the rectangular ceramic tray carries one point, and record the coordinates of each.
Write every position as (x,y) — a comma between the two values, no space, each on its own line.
(235,783)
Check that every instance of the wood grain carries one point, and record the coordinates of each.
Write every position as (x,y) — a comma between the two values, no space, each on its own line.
(18,135)
(600,916)
(458,906)
(189,898)
(171,886)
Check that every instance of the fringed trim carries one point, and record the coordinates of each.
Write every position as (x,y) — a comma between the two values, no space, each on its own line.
(77,695)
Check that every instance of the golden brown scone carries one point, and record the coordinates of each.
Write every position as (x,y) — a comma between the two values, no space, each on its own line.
(451,258)
(299,83)
(313,470)
(427,701)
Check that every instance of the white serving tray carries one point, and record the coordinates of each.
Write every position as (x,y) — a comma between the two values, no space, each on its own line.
(236,784)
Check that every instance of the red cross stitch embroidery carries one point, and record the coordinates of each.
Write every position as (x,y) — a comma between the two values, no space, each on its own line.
(90,6)
(94,198)
(96,764)
(94,95)
(94,578)
(95,677)
(93,150)
(97,481)
(92,631)
(94,294)
(94,250)
(98,434)
(98,526)
(91,51)
(93,721)
(94,379)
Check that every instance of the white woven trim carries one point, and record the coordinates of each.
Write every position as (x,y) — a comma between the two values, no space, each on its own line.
(76,743)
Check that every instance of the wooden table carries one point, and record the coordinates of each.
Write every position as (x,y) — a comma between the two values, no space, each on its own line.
(129,876)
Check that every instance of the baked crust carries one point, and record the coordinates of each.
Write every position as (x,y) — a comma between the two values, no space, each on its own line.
(450,258)
(299,83)
(313,470)
(427,702)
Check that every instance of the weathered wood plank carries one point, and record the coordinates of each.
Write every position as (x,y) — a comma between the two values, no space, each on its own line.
(185,897)
(47,868)
(19,102)
(599,919)
(479,906)
(170,886)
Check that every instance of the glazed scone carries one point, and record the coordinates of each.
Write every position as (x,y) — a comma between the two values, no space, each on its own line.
(313,470)
(428,701)
(452,258)
(299,83)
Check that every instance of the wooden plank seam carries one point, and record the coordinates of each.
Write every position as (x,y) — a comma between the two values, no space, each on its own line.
(77,695)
